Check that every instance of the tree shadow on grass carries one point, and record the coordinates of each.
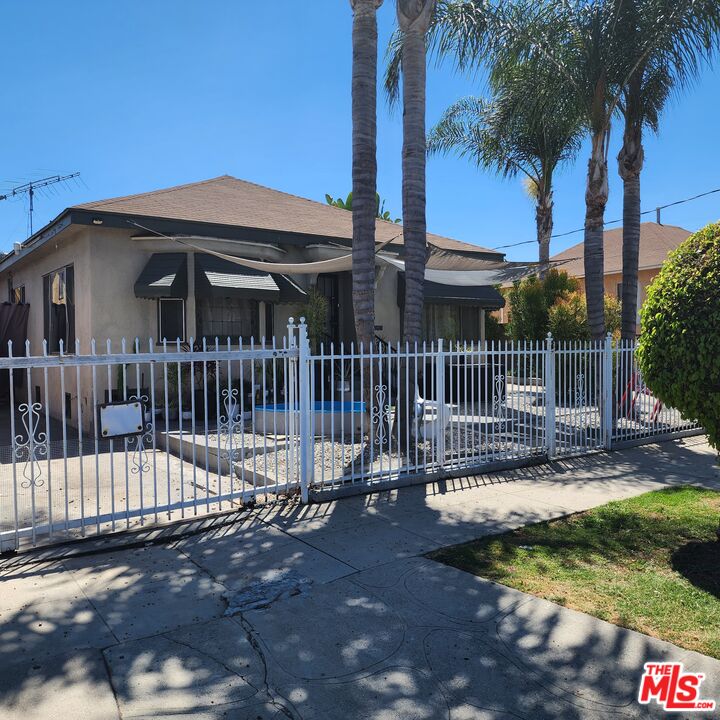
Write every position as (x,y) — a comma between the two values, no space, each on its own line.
(699,563)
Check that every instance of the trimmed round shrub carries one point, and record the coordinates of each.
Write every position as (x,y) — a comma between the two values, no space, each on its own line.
(679,348)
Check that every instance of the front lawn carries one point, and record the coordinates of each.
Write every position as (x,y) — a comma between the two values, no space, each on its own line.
(651,563)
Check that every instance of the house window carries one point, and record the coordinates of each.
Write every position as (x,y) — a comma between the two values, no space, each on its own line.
(171,319)
(225,318)
(618,291)
(451,322)
(16,295)
(59,309)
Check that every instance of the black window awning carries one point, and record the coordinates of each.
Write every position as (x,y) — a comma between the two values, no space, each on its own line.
(486,297)
(164,276)
(217,277)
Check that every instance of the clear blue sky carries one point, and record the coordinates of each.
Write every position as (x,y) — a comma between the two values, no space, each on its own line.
(145,94)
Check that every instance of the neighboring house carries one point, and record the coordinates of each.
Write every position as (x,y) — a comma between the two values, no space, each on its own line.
(103,270)
(656,241)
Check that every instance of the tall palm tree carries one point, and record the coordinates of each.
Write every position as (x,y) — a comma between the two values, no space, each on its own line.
(364,165)
(661,56)
(414,17)
(512,138)
(579,40)
(576,39)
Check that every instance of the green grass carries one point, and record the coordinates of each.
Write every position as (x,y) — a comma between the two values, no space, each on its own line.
(651,563)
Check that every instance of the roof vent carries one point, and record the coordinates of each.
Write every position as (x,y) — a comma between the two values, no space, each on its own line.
(17,247)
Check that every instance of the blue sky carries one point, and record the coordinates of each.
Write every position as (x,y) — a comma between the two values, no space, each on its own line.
(145,94)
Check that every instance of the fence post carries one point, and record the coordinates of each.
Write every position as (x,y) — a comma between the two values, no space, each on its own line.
(607,393)
(291,399)
(550,430)
(306,430)
(440,399)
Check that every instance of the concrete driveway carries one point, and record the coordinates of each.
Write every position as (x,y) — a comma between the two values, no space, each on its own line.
(331,611)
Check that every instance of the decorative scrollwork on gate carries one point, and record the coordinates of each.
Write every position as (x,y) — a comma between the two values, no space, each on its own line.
(32,447)
(381,415)
(580,390)
(227,424)
(140,443)
(499,404)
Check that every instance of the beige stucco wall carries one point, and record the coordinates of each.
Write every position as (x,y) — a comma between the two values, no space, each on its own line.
(387,312)
(73,248)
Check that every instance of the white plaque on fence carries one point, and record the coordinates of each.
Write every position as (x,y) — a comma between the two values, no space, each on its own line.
(121,419)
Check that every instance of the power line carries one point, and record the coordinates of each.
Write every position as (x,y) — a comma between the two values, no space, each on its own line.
(613,222)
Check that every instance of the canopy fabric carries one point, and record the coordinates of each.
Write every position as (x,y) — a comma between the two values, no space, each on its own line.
(482,296)
(445,268)
(164,276)
(218,277)
(495,274)
(340,264)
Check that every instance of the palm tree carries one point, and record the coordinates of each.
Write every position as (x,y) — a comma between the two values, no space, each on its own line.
(414,17)
(577,40)
(661,56)
(510,137)
(364,165)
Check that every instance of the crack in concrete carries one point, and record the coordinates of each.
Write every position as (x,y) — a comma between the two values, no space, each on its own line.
(113,689)
(249,631)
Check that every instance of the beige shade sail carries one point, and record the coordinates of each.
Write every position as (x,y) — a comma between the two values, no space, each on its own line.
(488,272)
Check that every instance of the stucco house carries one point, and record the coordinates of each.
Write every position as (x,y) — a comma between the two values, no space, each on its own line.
(141,266)
(656,241)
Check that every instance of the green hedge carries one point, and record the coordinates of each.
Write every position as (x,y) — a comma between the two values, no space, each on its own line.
(679,348)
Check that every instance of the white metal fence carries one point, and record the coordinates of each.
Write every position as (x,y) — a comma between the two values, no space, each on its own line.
(93,442)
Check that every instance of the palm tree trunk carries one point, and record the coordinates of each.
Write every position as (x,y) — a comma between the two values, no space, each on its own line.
(544,226)
(364,184)
(414,22)
(414,19)
(630,164)
(596,196)
(364,165)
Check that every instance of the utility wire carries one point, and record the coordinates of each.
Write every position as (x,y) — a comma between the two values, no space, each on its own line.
(612,222)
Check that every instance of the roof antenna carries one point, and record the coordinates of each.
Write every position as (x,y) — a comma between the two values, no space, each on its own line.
(30,188)
(657,216)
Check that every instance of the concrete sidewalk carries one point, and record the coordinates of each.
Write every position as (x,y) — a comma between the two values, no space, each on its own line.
(330,611)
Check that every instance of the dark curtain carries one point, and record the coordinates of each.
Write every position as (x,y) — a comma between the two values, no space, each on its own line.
(13,327)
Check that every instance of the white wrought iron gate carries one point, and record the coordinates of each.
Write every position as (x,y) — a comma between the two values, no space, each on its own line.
(100,441)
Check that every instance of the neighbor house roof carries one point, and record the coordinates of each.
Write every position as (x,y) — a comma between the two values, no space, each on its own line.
(225,200)
(656,241)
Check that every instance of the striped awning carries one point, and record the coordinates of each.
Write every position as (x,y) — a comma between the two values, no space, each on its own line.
(164,276)
(216,277)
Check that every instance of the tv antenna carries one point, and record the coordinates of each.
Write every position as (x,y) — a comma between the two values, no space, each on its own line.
(29,189)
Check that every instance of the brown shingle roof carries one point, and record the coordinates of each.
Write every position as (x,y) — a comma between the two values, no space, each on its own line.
(225,200)
(656,241)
